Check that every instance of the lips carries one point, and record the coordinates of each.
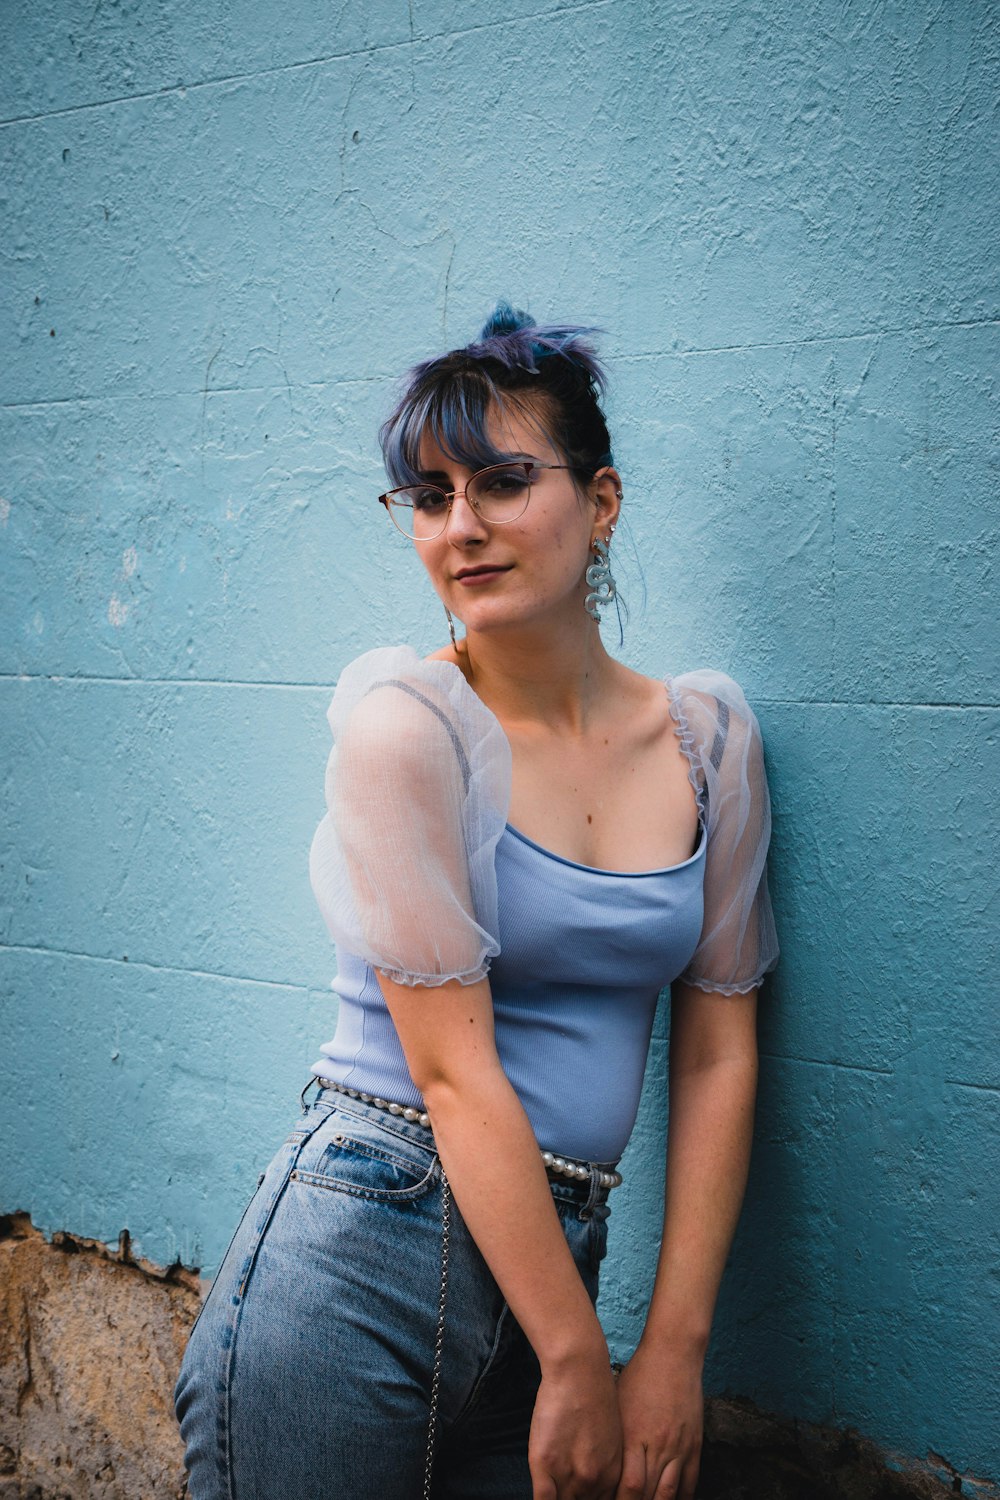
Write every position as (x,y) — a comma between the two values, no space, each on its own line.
(474,572)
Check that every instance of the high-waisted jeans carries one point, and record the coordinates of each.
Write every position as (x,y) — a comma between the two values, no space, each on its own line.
(308,1372)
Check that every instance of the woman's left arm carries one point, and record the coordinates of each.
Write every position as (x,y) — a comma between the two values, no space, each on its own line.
(713,1082)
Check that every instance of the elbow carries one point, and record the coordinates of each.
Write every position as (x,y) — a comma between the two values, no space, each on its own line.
(444,1086)
(450,1088)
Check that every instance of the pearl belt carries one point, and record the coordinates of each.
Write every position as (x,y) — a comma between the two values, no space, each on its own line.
(562,1166)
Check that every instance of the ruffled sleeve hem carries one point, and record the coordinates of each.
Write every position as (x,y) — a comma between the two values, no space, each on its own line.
(713,987)
(432,981)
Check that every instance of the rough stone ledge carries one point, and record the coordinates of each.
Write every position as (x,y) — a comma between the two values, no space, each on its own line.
(18,1226)
(91,1340)
(754,1455)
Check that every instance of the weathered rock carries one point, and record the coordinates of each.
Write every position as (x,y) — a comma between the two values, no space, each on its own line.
(90,1346)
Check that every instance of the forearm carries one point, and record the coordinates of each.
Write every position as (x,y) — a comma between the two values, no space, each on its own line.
(501,1189)
(708,1153)
(505,1200)
(489,1153)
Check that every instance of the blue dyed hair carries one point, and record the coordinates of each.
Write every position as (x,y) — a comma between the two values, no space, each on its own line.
(546,371)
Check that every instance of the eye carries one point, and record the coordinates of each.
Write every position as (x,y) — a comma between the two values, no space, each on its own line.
(427,500)
(503,484)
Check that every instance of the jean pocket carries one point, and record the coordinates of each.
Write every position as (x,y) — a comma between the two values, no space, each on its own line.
(354,1157)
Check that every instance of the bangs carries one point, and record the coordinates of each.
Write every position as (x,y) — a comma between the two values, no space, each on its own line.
(456,414)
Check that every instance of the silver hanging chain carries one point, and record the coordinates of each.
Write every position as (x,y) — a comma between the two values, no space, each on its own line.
(439,1337)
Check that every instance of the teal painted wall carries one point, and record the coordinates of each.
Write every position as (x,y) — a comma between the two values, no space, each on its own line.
(224,236)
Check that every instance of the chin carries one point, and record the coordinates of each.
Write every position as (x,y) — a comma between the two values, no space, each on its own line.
(497,621)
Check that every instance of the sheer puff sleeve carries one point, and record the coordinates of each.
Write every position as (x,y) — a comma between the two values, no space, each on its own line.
(417,793)
(722,740)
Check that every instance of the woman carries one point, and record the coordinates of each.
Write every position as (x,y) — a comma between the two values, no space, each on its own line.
(525,842)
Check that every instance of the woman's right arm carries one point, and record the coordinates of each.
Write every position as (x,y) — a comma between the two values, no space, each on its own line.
(403,870)
(490,1155)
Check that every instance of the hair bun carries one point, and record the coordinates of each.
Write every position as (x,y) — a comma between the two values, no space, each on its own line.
(514,339)
(505,319)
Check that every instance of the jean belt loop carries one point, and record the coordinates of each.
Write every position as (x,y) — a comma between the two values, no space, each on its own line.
(587,1211)
(302,1097)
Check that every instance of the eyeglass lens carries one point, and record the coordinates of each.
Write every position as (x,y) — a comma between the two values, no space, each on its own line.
(499,494)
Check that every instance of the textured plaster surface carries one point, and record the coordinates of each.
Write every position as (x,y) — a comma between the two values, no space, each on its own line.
(224,239)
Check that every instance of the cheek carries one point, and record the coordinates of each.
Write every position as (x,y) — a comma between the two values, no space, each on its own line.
(432,562)
(572,545)
(560,561)
(563,535)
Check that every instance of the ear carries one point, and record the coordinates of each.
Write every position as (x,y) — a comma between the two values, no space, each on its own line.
(606,492)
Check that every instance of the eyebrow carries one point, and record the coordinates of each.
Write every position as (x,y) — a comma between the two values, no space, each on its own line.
(431,476)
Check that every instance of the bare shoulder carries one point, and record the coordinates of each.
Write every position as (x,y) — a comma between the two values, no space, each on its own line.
(637,693)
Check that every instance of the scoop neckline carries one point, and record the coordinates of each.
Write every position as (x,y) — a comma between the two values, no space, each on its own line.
(676,713)
(599,870)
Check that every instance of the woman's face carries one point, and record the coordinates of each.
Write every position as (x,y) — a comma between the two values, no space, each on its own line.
(539,559)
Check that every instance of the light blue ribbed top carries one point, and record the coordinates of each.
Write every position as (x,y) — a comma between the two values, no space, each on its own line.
(418,874)
(584,953)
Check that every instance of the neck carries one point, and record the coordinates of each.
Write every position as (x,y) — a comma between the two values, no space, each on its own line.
(551,678)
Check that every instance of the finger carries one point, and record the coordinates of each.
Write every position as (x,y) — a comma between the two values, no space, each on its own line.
(632,1485)
(542,1486)
(667,1488)
(689,1480)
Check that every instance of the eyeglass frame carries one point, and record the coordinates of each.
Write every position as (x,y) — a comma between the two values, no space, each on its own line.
(527,464)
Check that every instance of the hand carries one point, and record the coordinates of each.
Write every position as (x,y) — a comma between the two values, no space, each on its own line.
(575,1444)
(662,1414)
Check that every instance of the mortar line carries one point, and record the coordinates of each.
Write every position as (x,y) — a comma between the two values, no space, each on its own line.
(182,395)
(74,677)
(156,968)
(307,62)
(336,381)
(814,338)
(980,1088)
(826,1062)
(327,684)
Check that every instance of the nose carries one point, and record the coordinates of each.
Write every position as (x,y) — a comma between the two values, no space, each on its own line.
(464,524)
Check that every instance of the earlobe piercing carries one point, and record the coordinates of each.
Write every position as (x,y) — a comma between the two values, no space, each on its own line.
(599,577)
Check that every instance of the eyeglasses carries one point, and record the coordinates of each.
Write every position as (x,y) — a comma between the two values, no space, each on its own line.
(498,494)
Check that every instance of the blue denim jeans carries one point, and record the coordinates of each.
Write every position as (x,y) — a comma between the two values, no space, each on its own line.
(308,1371)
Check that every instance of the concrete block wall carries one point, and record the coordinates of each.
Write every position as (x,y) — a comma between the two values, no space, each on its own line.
(226,232)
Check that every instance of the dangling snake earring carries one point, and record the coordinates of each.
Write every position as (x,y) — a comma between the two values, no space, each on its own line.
(599,577)
(451,628)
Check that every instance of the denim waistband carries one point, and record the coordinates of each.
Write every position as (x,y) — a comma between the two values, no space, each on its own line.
(586,1192)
